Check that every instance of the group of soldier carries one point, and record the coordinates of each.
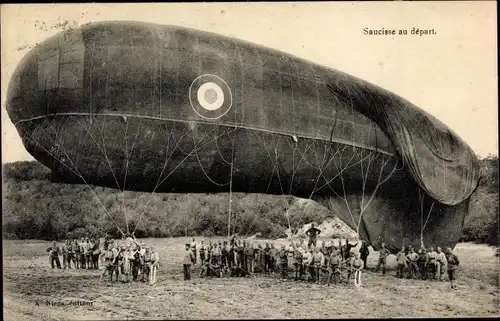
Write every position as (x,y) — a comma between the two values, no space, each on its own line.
(82,254)
(424,264)
(308,262)
(127,262)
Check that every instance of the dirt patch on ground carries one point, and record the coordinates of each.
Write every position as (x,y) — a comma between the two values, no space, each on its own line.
(34,291)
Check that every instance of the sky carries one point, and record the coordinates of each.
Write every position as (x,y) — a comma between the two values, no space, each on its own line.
(452,74)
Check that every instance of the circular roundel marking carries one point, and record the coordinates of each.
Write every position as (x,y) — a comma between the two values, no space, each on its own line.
(210,96)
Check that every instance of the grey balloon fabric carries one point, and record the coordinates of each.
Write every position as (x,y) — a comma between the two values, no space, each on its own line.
(146,107)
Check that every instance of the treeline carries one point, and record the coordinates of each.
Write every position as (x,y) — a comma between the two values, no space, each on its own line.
(35,208)
(481,225)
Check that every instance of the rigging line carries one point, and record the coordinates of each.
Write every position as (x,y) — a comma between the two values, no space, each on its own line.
(203,170)
(220,154)
(428,216)
(125,176)
(231,188)
(298,164)
(99,148)
(75,172)
(275,165)
(328,153)
(180,163)
(59,143)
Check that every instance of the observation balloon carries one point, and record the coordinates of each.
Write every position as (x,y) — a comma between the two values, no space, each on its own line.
(155,108)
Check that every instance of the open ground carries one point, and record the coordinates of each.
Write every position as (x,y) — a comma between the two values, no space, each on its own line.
(34,291)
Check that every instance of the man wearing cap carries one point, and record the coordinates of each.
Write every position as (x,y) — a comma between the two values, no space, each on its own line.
(453,263)
(193,248)
(440,264)
(146,268)
(202,252)
(411,260)
(267,258)
(283,260)
(188,260)
(334,269)
(155,263)
(319,261)
(298,256)
(313,235)
(54,252)
(431,263)
(357,267)
(382,259)
(401,260)
(363,253)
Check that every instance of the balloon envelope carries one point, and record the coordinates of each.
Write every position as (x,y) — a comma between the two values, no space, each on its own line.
(155,108)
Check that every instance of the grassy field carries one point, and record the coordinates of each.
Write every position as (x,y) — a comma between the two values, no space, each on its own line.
(29,283)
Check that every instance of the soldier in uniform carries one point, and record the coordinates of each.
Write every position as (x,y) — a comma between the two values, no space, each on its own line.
(76,247)
(249,257)
(71,253)
(431,264)
(283,257)
(319,262)
(401,260)
(64,253)
(297,263)
(412,261)
(155,263)
(453,263)
(188,260)
(193,248)
(364,252)
(382,259)
(313,234)
(267,258)
(441,264)
(357,267)
(54,252)
(334,269)
(422,259)
(202,252)
(146,268)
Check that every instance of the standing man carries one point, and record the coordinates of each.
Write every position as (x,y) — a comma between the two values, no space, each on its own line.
(348,248)
(297,263)
(401,260)
(54,252)
(202,252)
(309,263)
(283,257)
(441,264)
(188,260)
(313,235)
(382,259)
(319,261)
(267,258)
(193,248)
(430,264)
(357,267)
(64,252)
(411,260)
(155,263)
(453,263)
(364,252)
(334,271)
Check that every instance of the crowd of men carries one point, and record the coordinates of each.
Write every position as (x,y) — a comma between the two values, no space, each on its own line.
(325,264)
(81,254)
(123,261)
